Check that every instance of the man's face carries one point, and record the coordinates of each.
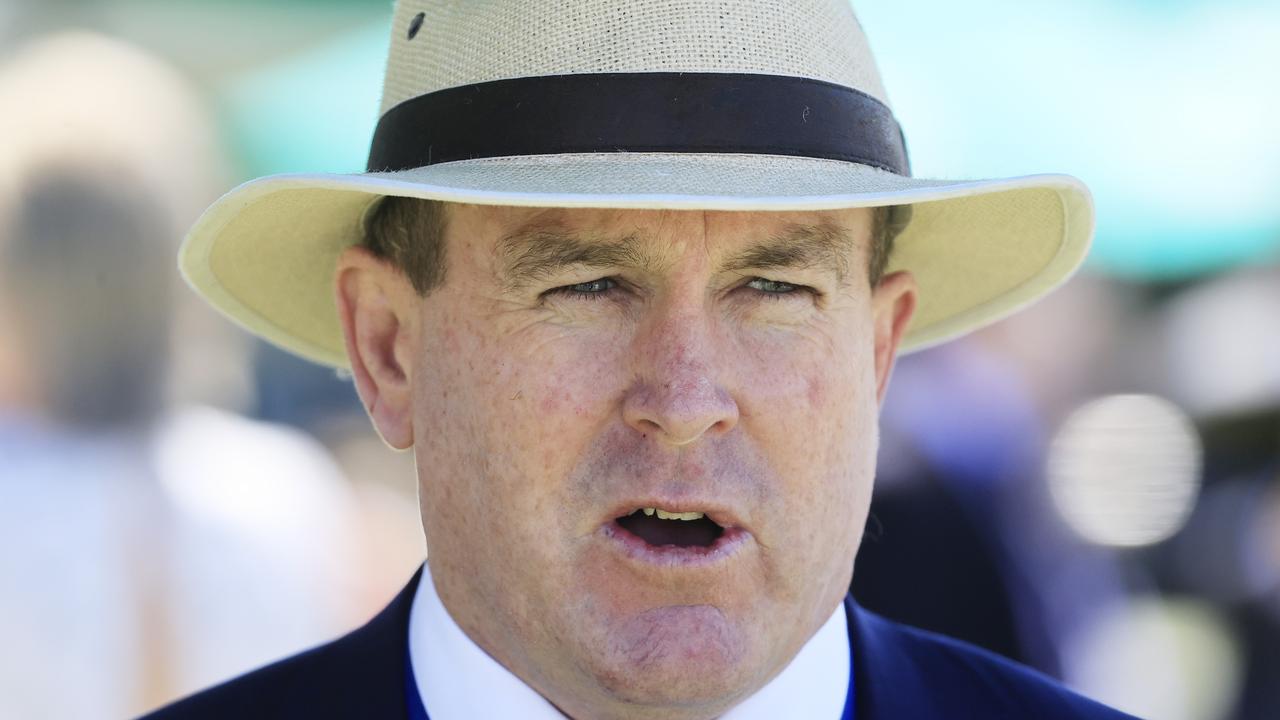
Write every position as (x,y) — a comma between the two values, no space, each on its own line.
(579,366)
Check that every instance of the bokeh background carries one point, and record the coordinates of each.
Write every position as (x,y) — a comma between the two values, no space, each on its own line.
(1091,487)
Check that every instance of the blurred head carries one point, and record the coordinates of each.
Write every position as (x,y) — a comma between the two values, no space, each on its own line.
(85,286)
(93,194)
(645,438)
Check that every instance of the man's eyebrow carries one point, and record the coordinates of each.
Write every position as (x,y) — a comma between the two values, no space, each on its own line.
(824,245)
(536,253)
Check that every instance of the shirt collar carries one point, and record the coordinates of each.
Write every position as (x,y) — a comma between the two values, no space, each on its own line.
(456,679)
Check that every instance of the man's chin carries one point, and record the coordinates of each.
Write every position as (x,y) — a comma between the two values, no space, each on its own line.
(678,656)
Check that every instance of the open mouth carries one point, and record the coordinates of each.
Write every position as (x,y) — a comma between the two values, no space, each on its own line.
(660,528)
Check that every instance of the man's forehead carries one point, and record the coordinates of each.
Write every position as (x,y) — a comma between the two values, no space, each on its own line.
(531,244)
(508,227)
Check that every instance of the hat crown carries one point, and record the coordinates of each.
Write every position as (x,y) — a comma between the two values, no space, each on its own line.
(463,42)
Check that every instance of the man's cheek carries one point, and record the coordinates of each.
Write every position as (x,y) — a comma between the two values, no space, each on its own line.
(540,416)
(560,424)
(572,384)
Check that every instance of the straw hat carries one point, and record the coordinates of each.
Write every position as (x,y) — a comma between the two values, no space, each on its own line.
(682,104)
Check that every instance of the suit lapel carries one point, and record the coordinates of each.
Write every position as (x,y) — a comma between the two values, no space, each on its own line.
(887,682)
(373,662)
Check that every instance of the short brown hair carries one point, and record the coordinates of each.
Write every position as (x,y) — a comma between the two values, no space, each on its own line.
(409,232)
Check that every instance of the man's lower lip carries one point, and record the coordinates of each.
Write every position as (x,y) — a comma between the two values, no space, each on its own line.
(634,547)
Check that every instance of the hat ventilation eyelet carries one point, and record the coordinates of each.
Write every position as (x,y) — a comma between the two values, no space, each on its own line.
(416,24)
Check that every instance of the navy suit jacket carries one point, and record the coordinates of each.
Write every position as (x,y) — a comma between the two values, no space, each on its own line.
(900,672)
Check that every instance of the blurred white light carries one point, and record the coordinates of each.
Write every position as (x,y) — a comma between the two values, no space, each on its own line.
(1223,350)
(1124,470)
(1158,658)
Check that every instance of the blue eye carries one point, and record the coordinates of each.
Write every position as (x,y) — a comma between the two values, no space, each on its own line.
(590,290)
(774,288)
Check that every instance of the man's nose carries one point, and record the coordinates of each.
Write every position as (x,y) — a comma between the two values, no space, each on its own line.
(678,393)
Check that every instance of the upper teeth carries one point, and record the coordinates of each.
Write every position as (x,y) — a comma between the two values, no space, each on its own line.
(664,515)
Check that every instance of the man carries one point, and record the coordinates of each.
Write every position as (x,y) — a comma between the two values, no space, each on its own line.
(632,306)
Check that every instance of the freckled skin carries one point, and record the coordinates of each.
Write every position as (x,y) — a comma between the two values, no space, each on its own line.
(533,416)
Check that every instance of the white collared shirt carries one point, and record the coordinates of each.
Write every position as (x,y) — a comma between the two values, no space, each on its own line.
(457,680)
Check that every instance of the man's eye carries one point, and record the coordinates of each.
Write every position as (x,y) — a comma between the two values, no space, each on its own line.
(775,288)
(590,290)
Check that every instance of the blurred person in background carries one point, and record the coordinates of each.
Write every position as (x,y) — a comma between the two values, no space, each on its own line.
(150,547)
(961,495)
(643,468)
(1221,338)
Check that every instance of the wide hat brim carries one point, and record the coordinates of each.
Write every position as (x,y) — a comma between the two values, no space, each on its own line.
(265,253)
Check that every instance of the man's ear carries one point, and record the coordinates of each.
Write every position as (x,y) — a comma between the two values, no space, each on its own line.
(375,305)
(893,303)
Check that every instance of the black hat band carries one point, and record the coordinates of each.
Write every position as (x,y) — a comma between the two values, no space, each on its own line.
(642,113)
